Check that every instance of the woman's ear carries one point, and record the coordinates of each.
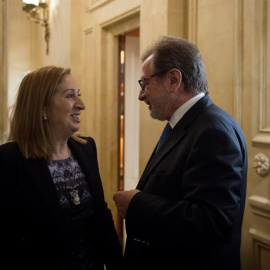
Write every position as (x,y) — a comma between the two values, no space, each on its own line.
(44,115)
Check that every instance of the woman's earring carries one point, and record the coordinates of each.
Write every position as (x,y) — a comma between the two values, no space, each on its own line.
(44,117)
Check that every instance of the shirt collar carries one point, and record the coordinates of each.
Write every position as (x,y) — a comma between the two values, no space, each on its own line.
(179,113)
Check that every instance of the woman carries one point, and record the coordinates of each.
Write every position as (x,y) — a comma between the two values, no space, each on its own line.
(53,213)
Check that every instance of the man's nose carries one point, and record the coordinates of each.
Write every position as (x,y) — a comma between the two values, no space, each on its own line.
(141,95)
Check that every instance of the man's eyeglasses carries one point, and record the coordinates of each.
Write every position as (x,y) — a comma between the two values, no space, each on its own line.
(143,82)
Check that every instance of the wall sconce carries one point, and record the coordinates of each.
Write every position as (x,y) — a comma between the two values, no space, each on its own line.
(38,12)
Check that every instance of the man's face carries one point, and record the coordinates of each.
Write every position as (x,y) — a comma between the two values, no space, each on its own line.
(154,94)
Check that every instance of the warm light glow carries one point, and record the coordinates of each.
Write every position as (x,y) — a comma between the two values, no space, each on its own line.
(34,2)
(121,145)
(122,60)
(38,12)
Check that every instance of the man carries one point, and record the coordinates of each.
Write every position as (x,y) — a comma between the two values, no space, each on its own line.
(187,209)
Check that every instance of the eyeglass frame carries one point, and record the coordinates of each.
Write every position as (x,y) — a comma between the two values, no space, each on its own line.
(142,85)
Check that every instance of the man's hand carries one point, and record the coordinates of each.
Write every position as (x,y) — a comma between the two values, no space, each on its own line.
(122,200)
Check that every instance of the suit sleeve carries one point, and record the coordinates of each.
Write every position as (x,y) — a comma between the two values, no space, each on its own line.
(9,218)
(106,238)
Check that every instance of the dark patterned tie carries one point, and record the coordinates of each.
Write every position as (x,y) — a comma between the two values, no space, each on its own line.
(164,136)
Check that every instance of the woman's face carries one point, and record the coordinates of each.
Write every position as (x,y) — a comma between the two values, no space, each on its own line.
(66,108)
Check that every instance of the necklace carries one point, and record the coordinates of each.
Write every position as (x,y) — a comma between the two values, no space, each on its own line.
(61,155)
(74,193)
(75,196)
(64,174)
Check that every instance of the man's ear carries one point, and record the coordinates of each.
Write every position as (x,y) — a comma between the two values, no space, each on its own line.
(175,76)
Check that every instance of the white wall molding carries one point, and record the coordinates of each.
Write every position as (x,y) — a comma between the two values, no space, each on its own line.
(260,206)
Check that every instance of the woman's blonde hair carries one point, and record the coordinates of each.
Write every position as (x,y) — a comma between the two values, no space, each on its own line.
(34,96)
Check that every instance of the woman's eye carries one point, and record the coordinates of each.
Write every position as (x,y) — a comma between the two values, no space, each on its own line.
(70,96)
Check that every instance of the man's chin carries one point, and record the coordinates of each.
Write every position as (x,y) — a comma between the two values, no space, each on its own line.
(157,117)
(153,115)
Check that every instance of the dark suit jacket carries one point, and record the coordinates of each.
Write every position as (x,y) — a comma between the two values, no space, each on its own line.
(31,218)
(189,213)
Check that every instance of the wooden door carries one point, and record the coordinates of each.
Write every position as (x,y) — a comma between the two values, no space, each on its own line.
(256,125)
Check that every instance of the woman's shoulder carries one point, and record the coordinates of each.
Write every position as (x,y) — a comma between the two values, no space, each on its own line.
(85,141)
(88,144)
(82,140)
(9,147)
(10,152)
(87,138)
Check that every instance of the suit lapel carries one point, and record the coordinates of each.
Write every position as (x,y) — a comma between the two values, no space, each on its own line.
(42,179)
(155,159)
(177,134)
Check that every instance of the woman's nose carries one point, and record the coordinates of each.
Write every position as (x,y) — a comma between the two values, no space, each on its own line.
(80,104)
